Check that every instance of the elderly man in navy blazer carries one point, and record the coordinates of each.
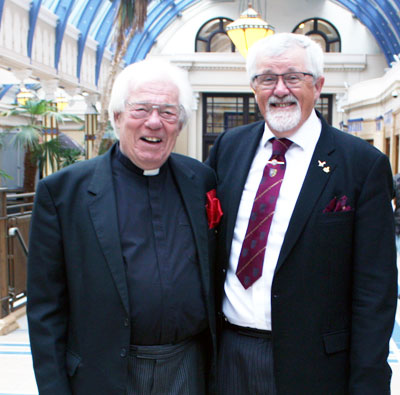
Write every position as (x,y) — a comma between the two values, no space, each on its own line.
(306,271)
(120,295)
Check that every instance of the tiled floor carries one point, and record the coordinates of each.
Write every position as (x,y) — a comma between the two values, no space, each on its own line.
(16,373)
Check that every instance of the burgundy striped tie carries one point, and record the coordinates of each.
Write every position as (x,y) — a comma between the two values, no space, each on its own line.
(251,258)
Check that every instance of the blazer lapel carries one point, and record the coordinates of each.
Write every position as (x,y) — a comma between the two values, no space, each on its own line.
(103,212)
(193,198)
(313,186)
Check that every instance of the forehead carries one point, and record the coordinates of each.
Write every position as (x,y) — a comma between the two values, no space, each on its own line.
(155,92)
(292,60)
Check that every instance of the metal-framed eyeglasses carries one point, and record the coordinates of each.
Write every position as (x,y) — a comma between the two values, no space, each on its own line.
(168,112)
(269,80)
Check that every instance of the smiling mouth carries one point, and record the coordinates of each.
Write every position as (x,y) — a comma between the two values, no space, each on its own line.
(283,105)
(151,140)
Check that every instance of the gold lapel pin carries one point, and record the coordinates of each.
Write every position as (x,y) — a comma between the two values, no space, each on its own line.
(326,169)
(321,163)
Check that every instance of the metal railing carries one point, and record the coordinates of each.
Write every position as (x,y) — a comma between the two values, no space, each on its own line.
(15,216)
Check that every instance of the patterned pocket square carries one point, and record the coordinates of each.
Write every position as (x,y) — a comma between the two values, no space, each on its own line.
(337,205)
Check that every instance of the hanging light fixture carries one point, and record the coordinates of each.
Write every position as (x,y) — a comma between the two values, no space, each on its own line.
(61,102)
(24,95)
(248,29)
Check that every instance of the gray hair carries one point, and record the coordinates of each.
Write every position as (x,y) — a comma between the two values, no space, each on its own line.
(138,74)
(280,43)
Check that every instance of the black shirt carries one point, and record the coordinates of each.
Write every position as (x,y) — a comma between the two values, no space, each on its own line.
(165,293)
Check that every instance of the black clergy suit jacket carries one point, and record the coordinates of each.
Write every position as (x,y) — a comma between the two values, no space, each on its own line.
(334,286)
(78,310)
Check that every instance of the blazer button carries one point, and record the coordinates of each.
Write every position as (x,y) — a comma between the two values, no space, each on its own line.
(123,353)
(126,322)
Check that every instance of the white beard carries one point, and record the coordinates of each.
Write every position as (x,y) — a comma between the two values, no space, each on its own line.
(282,120)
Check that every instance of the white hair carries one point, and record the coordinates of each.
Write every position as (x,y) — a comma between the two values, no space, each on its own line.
(280,43)
(138,74)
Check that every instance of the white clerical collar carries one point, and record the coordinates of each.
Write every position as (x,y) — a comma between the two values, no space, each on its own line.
(153,172)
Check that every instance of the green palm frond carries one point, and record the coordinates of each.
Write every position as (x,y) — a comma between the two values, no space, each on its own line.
(49,152)
(69,156)
(28,136)
(4,175)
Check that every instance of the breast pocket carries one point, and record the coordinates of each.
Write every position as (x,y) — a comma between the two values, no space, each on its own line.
(332,236)
(72,362)
(334,229)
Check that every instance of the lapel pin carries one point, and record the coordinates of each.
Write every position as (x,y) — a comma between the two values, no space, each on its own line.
(326,169)
(321,163)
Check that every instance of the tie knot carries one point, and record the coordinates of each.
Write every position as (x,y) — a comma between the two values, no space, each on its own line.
(280,146)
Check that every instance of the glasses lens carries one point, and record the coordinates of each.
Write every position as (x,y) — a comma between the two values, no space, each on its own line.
(167,112)
(267,80)
(292,79)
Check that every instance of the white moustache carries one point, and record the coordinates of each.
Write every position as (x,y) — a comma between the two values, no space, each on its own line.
(290,99)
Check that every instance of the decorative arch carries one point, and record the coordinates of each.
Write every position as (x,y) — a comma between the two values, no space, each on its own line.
(324,30)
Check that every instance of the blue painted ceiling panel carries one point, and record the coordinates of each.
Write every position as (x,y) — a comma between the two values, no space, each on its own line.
(103,35)
(391,14)
(148,37)
(152,18)
(63,10)
(33,15)
(85,21)
(1,9)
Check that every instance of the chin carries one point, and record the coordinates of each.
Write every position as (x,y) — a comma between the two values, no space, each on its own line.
(283,122)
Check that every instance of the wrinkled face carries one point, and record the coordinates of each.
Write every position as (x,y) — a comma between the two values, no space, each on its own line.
(286,109)
(149,141)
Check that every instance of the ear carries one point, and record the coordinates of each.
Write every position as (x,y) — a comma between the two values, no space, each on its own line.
(318,87)
(180,127)
(253,89)
(117,117)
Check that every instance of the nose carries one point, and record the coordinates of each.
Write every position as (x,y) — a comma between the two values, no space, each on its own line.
(281,89)
(154,119)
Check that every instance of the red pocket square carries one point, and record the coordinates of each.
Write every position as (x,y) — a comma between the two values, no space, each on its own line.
(213,209)
(336,205)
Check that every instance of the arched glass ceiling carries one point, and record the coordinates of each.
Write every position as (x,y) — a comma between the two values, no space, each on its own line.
(95,18)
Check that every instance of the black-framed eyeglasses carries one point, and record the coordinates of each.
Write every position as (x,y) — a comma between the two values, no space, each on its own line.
(269,80)
(168,112)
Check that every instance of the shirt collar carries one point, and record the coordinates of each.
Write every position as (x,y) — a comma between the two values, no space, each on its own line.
(306,137)
(132,167)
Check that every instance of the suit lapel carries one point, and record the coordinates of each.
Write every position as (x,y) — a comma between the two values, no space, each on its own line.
(313,186)
(103,212)
(193,198)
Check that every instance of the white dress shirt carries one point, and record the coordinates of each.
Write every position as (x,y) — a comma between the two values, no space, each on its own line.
(252,307)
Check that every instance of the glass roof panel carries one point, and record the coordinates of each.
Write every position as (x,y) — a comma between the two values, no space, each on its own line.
(50,4)
(96,25)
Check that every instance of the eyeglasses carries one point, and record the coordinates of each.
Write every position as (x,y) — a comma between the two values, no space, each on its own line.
(269,81)
(168,112)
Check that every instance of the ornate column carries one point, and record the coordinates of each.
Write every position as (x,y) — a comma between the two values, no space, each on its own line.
(90,124)
(50,126)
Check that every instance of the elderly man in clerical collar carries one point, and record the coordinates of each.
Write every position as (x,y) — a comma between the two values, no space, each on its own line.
(119,276)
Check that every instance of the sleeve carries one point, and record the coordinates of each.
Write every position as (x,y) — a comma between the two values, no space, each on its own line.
(47,305)
(374,295)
